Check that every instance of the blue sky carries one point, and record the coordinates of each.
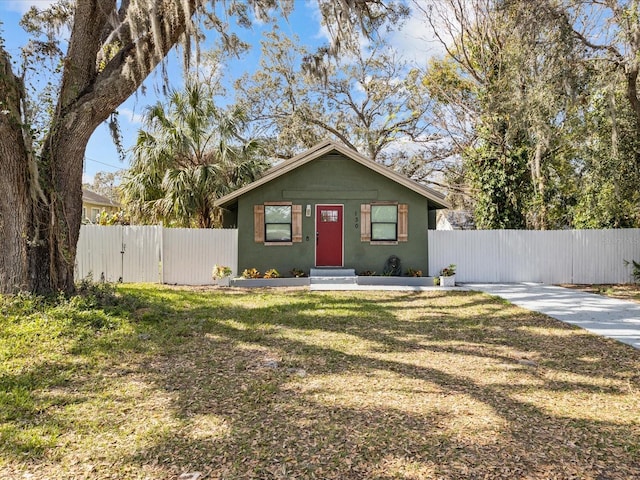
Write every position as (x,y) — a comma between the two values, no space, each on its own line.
(413,41)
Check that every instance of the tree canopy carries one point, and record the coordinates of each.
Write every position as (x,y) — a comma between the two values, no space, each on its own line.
(189,154)
(367,100)
(542,102)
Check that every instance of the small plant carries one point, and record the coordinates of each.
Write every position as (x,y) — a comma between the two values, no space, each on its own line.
(448,271)
(220,271)
(96,293)
(436,281)
(635,273)
(297,273)
(251,273)
(414,273)
(118,218)
(271,273)
(367,273)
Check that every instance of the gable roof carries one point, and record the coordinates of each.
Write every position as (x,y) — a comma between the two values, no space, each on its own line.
(325,148)
(95,198)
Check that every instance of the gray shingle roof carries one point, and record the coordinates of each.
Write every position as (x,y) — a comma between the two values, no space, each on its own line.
(97,199)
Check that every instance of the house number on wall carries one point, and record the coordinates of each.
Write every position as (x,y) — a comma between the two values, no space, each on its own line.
(356,217)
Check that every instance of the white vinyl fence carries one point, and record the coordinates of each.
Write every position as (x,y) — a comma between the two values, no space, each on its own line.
(559,256)
(154,254)
(191,253)
(187,256)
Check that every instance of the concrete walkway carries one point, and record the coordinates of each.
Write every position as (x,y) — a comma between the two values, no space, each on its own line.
(609,317)
(389,288)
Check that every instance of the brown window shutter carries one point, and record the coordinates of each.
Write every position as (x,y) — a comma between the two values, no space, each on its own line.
(365,222)
(296,223)
(258,223)
(403,222)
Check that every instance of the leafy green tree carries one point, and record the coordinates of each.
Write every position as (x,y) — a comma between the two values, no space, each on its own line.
(501,180)
(478,89)
(190,154)
(106,184)
(510,88)
(608,174)
(601,128)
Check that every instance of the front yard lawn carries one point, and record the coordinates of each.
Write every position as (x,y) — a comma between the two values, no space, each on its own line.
(269,384)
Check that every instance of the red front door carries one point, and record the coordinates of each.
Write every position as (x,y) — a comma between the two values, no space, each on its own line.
(328,235)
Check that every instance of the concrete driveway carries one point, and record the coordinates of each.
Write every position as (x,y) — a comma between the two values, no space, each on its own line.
(609,317)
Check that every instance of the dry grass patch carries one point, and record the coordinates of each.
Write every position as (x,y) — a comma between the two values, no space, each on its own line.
(272,385)
(624,291)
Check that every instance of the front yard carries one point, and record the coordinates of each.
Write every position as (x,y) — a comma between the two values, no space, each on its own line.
(272,384)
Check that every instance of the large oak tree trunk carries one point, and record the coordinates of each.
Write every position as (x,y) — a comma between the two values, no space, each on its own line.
(16,194)
(41,196)
(59,219)
(40,213)
(16,213)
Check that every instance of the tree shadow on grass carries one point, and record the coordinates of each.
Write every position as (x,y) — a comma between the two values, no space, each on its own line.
(280,423)
(272,385)
(284,426)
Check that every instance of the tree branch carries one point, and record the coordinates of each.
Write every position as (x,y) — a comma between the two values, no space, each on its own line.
(126,71)
(90,20)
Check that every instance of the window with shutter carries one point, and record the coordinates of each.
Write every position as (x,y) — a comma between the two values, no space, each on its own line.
(277,223)
(384,223)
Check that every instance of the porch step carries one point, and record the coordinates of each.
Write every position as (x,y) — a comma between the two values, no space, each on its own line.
(332,272)
(333,276)
(353,280)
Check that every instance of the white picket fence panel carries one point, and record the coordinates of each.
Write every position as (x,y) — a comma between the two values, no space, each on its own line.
(190,254)
(552,257)
(154,254)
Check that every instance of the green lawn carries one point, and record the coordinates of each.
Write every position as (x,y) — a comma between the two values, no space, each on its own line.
(272,384)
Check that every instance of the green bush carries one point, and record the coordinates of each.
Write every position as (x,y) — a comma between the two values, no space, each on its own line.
(635,273)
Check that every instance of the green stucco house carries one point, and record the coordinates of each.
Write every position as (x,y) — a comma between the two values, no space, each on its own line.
(331,207)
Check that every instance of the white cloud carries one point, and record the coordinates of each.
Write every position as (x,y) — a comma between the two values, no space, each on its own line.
(22,6)
(322,32)
(415,40)
(131,116)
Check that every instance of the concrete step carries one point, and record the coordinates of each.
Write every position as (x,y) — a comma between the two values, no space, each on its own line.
(351,280)
(332,272)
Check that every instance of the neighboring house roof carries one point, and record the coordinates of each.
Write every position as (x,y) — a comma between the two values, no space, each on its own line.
(325,148)
(96,199)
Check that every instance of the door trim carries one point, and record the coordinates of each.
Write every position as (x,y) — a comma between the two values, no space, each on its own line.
(315,223)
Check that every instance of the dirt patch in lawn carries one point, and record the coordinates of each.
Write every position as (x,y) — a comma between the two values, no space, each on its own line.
(626,291)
